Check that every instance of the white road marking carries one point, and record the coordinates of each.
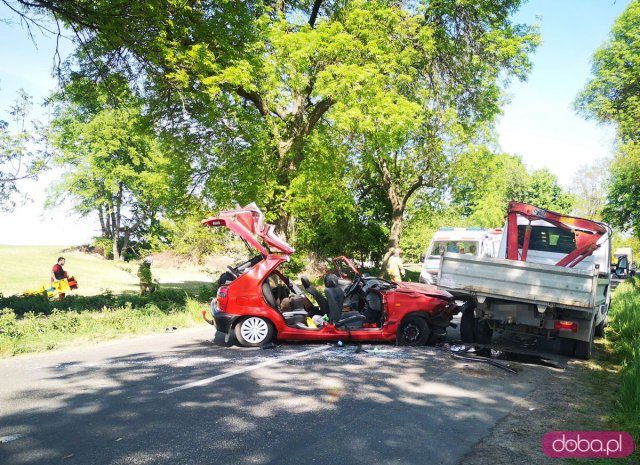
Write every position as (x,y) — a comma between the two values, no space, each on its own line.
(12,437)
(206,381)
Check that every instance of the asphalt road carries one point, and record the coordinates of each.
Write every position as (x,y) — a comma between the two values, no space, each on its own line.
(185,398)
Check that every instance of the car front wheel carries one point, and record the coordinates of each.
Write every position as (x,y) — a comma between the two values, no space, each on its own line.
(254,331)
(414,331)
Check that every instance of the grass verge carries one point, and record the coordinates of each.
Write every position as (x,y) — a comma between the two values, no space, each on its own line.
(624,332)
(29,324)
(614,374)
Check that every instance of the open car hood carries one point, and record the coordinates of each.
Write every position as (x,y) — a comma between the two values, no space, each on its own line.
(248,223)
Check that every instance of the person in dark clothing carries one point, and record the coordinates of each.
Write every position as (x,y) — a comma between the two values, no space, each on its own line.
(58,273)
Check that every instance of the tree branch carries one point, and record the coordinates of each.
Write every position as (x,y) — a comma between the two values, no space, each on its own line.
(319,109)
(314,13)
(254,98)
(414,187)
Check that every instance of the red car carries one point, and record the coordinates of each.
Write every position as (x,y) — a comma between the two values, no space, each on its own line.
(258,302)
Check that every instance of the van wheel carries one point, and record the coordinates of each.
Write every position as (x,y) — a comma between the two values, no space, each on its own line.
(254,331)
(584,349)
(468,326)
(413,331)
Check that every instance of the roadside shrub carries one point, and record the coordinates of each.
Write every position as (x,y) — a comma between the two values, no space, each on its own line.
(8,326)
(165,300)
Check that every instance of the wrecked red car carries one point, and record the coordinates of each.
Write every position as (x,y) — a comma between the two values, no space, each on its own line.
(258,303)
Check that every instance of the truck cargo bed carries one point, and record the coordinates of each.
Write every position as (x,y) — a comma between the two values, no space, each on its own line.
(521,281)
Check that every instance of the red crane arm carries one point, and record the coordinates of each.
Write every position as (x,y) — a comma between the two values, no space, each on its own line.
(587,232)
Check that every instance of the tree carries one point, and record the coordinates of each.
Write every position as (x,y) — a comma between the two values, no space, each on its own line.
(21,156)
(265,75)
(622,209)
(612,96)
(115,169)
(589,188)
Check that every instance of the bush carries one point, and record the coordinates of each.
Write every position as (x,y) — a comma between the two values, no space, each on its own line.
(98,318)
(165,299)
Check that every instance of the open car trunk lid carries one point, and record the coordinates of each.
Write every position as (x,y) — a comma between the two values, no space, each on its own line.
(248,223)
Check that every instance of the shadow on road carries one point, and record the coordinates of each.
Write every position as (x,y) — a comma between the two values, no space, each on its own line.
(385,405)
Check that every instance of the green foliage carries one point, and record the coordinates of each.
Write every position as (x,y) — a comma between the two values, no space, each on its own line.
(26,328)
(624,331)
(188,237)
(611,96)
(245,94)
(623,198)
(104,246)
(589,188)
(20,157)
(165,299)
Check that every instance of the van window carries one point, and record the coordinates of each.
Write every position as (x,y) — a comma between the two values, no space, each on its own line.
(548,239)
(465,247)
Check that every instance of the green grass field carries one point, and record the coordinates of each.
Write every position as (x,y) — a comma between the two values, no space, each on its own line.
(24,268)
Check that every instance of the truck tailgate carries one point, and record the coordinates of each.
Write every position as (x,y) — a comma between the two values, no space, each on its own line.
(521,281)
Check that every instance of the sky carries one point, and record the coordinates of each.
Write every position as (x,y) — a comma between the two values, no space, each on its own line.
(539,123)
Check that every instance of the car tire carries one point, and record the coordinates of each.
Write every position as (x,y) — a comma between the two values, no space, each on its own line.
(254,331)
(484,333)
(468,326)
(413,331)
(567,346)
(584,349)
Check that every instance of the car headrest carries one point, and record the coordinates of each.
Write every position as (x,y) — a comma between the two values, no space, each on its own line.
(331,280)
(305,281)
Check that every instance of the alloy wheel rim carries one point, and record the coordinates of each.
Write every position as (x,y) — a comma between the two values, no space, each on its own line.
(254,330)
(411,333)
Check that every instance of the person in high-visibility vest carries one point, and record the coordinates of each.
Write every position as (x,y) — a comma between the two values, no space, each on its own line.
(395,267)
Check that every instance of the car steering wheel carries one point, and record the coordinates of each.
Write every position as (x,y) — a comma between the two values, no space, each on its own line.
(353,287)
(233,271)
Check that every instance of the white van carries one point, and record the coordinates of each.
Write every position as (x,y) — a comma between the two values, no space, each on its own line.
(472,241)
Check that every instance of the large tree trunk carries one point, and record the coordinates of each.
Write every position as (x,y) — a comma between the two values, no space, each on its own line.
(288,141)
(398,204)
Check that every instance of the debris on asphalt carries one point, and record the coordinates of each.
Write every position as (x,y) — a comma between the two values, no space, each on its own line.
(488,361)
(360,350)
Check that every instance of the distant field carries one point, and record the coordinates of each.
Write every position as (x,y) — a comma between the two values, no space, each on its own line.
(23,268)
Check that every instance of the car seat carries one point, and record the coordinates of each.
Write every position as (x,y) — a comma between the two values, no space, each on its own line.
(315,293)
(335,298)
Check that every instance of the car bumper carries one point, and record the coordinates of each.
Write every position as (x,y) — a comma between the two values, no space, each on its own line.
(221,320)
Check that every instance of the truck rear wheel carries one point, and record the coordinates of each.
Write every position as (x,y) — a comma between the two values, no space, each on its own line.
(468,326)
(567,347)
(484,332)
(585,348)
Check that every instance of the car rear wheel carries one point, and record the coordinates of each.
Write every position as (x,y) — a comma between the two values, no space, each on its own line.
(413,331)
(254,331)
